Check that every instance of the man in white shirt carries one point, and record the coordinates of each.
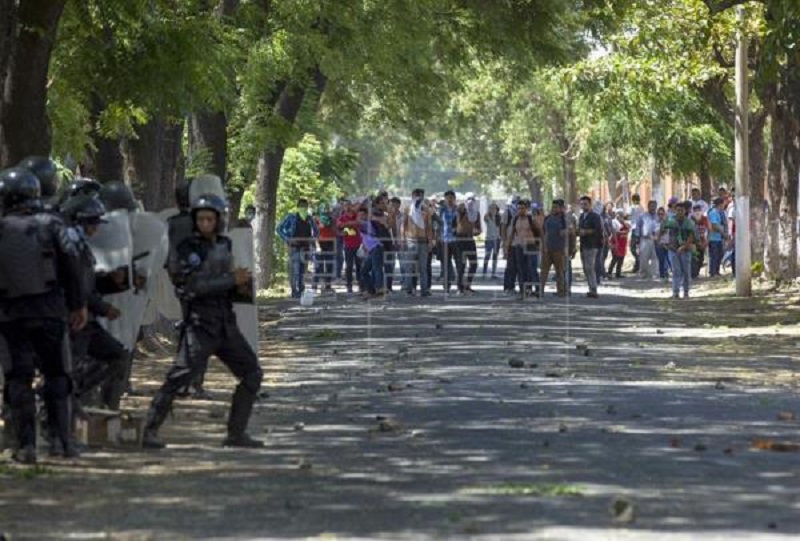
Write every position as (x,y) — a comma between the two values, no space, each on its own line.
(697,199)
(647,228)
(635,212)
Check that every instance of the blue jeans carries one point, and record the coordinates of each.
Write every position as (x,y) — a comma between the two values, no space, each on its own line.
(681,271)
(298,262)
(373,270)
(352,263)
(715,252)
(527,262)
(492,249)
(325,260)
(339,256)
(663,261)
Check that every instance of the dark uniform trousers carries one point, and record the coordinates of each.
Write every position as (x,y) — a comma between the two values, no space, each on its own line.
(30,344)
(198,342)
(100,359)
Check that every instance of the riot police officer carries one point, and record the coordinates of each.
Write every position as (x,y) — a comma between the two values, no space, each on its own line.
(179,228)
(100,359)
(206,286)
(40,288)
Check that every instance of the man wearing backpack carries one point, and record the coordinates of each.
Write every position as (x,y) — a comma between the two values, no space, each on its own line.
(299,231)
(523,241)
(554,248)
(590,230)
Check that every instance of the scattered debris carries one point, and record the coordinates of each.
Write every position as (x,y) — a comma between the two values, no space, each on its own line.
(623,511)
(779,446)
(389,425)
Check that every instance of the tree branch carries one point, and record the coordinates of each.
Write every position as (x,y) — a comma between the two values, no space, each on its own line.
(719,6)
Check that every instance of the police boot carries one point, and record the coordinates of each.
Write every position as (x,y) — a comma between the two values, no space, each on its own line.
(22,411)
(241,408)
(159,408)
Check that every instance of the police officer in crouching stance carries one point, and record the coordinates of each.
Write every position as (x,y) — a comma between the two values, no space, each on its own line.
(206,287)
(40,288)
(100,359)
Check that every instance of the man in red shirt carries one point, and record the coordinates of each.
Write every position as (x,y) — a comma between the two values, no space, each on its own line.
(348,227)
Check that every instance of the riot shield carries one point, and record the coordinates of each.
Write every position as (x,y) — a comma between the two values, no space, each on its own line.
(206,184)
(165,302)
(112,247)
(244,304)
(150,248)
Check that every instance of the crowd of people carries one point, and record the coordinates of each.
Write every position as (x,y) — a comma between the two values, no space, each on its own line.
(57,303)
(380,246)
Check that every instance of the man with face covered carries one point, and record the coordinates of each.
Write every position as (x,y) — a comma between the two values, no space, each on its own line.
(681,241)
(299,231)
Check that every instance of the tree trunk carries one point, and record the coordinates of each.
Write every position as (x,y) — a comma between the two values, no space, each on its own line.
(758,229)
(772,262)
(267,176)
(155,162)
(208,143)
(612,174)
(533,181)
(655,182)
(791,167)
(104,162)
(25,125)
(705,180)
(8,32)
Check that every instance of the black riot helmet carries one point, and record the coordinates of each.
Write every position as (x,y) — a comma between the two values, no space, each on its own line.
(210,201)
(80,186)
(45,170)
(83,186)
(116,195)
(84,209)
(19,189)
(182,198)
